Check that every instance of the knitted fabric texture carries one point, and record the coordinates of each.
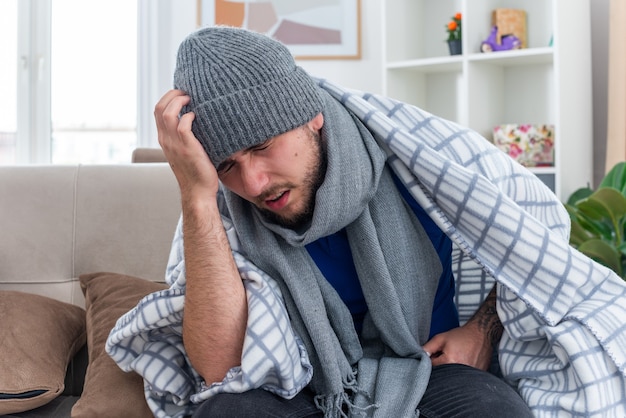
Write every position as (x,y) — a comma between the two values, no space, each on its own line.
(245,88)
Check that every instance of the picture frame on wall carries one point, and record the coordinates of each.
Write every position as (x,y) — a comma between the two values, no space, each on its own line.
(311,29)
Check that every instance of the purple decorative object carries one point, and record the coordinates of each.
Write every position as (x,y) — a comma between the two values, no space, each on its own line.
(507,42)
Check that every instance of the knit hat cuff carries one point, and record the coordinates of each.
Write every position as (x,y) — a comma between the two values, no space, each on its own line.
(227,124)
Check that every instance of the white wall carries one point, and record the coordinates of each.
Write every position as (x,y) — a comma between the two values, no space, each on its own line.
(176,19)
(362,74)
(366,73)
(163,24)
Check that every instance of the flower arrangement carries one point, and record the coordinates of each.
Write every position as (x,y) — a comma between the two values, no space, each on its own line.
(454,28)
(530,145)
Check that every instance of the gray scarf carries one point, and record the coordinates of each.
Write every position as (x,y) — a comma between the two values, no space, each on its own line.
(386,370)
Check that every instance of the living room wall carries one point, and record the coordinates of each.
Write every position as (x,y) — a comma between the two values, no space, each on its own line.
(363,74)
(366,73)
(175,20)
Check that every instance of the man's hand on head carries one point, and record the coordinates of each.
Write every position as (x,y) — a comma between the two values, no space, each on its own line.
(192,167)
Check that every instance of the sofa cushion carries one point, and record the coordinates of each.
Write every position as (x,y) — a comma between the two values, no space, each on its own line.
(60,407)
(63,221)
(109,391)
(38,338)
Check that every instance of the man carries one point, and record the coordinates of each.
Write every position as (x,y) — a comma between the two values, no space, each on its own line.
(316,201)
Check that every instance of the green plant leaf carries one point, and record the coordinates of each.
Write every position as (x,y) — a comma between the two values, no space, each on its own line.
(622,248)
(616,178)
(579,194)
(603,253)
(583,228)
(600,228)
(598,220)
(605,203)
(578,235)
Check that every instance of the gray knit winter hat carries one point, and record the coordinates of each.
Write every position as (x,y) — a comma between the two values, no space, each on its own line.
(245,88)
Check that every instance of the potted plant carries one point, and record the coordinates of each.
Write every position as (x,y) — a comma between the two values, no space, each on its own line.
(599,220)
(454,35)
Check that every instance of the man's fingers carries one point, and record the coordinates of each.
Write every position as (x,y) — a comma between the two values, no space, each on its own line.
(184,125)
(172,128)
(171,112)
(434,344)
(168,108)
(166,99)
(439,359)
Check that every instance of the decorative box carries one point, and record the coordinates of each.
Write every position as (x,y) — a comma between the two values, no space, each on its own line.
(530,145)
(510,22)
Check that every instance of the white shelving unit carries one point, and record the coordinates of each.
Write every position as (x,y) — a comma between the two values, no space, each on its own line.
(542,84)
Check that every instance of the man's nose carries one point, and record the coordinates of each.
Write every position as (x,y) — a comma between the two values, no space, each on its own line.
(254,178)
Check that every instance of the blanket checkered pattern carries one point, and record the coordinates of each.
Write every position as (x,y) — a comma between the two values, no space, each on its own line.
(564,345)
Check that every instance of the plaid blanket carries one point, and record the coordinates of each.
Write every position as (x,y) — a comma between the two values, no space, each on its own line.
(565,336)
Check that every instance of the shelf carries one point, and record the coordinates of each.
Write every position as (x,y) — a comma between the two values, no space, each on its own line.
(529,56)
(543,170)
(430,65)
(518,57)
(545,83)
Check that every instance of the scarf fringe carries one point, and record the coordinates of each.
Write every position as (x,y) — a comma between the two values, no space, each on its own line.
(341,405)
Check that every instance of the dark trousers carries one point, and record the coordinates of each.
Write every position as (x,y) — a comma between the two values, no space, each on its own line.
(454,390)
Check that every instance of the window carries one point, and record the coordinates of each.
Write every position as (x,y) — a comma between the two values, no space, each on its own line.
(8,77)
(93,81)
(69,91)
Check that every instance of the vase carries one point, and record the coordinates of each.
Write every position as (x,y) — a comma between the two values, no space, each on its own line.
(455,47)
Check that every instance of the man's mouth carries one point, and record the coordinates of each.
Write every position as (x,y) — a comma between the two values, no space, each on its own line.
(278,202)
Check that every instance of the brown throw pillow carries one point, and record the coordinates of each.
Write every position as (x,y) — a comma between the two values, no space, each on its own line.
(109,391)
(38,338)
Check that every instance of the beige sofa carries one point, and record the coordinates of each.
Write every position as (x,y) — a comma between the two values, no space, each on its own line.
(80,245)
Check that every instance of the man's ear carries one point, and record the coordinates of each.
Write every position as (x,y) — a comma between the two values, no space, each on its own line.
(317,122)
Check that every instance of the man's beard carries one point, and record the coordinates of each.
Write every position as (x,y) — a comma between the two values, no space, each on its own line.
(313,179)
